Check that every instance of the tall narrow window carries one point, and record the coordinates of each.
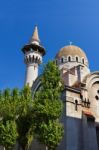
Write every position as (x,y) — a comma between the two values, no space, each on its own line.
(69,58)
(30,58)
(83,60)
(36,59)
(98,91)
(33,58)
(62,60)
(76,103)
(77,59)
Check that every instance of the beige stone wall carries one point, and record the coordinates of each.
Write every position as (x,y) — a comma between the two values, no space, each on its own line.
(93,92)
(70,104)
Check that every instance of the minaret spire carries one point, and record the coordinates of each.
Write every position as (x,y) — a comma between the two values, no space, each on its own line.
(35,36)
(33,54)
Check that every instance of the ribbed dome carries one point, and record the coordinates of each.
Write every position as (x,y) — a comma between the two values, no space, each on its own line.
(71,50)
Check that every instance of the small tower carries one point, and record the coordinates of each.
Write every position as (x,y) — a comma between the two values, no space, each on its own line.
(33,53)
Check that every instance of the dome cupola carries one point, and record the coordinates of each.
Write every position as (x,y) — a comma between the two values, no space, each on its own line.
(71,53)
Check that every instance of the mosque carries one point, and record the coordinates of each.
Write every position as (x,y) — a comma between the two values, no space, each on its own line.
(80,95)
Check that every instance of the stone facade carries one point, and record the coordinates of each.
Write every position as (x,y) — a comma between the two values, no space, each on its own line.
(81,101)
(80,97)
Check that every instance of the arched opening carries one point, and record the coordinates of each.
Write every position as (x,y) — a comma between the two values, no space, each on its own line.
(83,60)
(36,59)
(76,103)
(33,58)
(69,58)
(30,58)
(76,58)
(98,91)
(62,60)
(39,60)
(88,103)
(96,97)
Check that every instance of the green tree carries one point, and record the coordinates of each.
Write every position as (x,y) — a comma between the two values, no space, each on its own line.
(21,117)
(48,108)
(16,123)
(8,134)
(25,118)
(8,129)
(51,134)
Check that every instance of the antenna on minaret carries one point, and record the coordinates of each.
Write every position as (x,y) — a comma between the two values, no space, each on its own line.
(70,42)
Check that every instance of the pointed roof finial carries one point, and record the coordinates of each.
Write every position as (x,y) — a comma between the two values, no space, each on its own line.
(70,42)
(35,36)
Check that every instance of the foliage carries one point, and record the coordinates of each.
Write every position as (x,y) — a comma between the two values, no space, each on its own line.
(8,134)
(8,128)
(25,118)
(51,134)
(16,117)
(48,107)
(21,117)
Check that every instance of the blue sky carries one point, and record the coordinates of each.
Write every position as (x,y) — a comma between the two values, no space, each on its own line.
(59,21)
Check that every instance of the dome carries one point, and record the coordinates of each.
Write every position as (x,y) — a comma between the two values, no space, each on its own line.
(71,50)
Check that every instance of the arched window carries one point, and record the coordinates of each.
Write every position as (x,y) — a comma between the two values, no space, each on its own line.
(62,60)
(69,58)
(97,98)
(36,59)
(76,103)
(33,58)
(39,60)
(83,60)
(30,58)
(76,58)
(98,91)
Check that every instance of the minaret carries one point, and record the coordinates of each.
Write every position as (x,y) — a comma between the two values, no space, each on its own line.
(33,53)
